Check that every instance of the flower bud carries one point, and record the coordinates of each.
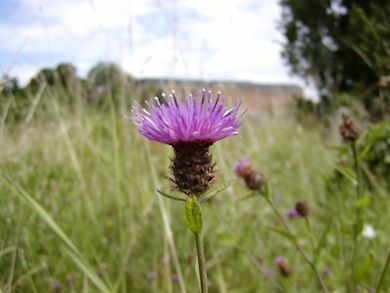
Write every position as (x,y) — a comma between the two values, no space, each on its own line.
(283,266)
(244,169)
(302,208)
(348,130)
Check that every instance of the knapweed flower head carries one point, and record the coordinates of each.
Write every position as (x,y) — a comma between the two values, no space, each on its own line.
(348,130)
(292,213)
(244,169)
(268,271)
(327,271)
(283,266)
(172,122)
(191,127)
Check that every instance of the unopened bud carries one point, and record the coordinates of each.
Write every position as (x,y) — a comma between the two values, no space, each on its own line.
(302,208)
(348,130)
(244,169)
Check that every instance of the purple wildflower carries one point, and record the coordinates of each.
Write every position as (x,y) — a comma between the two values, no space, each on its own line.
(244,169)
(283,266)
(243,166)
(57,287)
(268,271)
(327,271)
(191,128)
(175,278)
(171,122)
(280,259)
(152,275)
(292,213)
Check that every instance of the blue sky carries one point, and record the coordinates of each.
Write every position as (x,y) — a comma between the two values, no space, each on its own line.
(199,39)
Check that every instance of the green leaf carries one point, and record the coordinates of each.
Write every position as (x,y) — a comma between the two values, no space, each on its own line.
(171,196)
(322,241)
(348,173)
(286,235)
(212,192)
(363,202)
(267,192)
(363,269)
(193,215)
(364,153)
(253,194)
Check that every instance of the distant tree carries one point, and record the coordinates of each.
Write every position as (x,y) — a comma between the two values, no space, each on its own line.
(66,74)
(9,85)
(105,74)
(343,46)
(107,80)
(46,75)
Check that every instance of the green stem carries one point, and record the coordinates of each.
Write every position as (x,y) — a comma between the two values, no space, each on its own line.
(357,213)
(311,264)
(201,262)
(311,235)
(382,278)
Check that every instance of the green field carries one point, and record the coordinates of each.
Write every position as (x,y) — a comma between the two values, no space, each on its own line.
(78,197)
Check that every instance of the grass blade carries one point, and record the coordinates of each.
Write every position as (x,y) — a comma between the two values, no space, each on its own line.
(70,247)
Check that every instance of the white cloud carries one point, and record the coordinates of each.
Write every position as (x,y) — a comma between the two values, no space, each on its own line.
(199,39)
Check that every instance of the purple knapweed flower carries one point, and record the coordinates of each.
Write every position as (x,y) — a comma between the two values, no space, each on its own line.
(244,169)
(152,275)
(175,278)
(292,213)
(57,287)
(172,122)
(243,166)
(327,271)
(191,128)
(283,266)
(268,271)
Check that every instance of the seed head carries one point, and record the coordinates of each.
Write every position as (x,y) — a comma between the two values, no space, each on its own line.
(348,130)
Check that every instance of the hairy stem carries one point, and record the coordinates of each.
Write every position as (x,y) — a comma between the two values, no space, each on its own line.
(201,262)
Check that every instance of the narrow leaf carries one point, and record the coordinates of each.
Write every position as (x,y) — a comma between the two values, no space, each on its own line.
(363,269)
(322,241)
(348,173)
(248,196)
(171,196)
(286,235)
(211,193)
(267,192)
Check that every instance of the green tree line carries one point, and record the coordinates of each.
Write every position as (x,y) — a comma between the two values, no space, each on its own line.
(343,46)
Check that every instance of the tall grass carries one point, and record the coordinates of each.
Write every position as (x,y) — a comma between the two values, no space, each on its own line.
(79,197)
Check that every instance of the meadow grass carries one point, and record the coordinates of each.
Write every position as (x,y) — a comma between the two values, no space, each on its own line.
(79,197)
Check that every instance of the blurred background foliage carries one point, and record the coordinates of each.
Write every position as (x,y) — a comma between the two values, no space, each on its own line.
(343,47)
